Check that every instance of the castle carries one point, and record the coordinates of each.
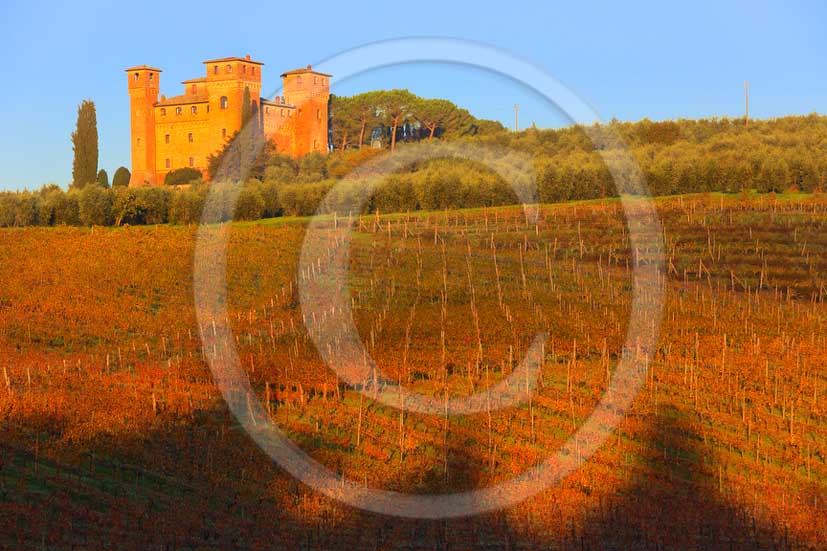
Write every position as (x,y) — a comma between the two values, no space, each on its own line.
(183,131)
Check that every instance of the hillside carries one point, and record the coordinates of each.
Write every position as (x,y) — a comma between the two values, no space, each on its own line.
(683,156)
(111,422)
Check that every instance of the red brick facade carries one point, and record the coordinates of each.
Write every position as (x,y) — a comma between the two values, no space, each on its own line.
(183,131)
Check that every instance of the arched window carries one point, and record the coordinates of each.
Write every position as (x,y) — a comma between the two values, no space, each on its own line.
(151,76)
(194,89)
(192,161)
(223,132)
(215,69)
(224,102)
(194,109)
(136,76)
(189,137)
(138,142)
(179,111)
(253,70)
(163,111)
(229,68)
(244,69)
(299,80)
(167,163)
(166,138)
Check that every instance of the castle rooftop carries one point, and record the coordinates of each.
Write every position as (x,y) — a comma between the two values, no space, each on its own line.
(142,68)
(183,99)
(308,69)
(245,59)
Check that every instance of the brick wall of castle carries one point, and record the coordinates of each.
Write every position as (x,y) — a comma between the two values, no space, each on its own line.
(183,131)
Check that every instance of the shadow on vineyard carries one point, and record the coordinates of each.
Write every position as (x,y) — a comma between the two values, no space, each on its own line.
(224,493)
(671,504)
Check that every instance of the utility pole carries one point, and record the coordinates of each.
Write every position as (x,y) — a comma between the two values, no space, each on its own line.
(516,118)
(746,99)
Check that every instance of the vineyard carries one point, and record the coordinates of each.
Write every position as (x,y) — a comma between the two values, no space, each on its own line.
(113,434)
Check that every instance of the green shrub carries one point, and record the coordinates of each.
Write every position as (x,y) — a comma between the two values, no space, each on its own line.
(95,205)
(156,203)
(127,206)
(27,211)
(249,205)
(121,177)
(180,176)
(185,207)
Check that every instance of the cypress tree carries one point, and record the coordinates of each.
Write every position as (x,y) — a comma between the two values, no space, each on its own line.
(121,177)
(102,179)
(85,145)
(246,108)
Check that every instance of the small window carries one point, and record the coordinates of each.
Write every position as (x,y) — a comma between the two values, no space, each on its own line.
(138,141)
(208,108)
(179,111)
(166,138)
(252,70)
(136,76)
(163,111)
(167,163)
(282,112)
(315,80)
(299,80)
(229,68)
(194,109)
(151,76)
(189,137)
(194,89)
(192,161)
(215,69)
(318,114)
(244,69)
(223,132)
(224,102)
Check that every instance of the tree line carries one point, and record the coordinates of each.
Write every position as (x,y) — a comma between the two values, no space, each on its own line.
(675,156)
(386,117)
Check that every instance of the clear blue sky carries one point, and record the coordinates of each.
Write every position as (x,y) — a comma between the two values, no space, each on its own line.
(628,60)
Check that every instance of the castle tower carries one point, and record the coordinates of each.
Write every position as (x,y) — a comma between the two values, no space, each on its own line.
(309,91)
(144,84)
(226,80)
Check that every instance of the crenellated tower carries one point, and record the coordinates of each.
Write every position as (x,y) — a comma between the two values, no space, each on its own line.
(309,92)
(184,131)
(144,85)
(225,82)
